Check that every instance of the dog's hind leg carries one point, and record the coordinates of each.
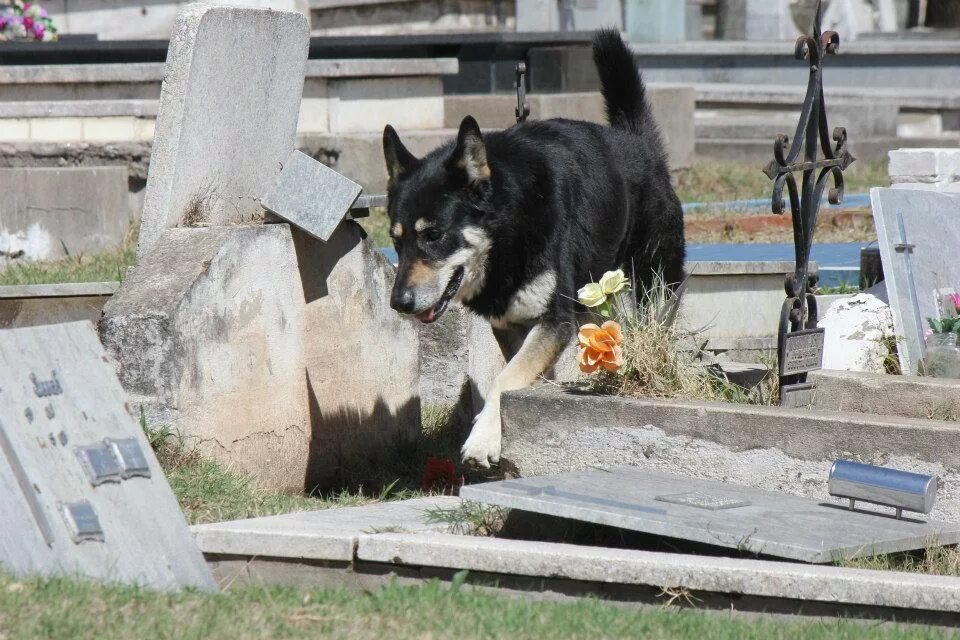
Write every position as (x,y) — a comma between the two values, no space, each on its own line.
(539,352)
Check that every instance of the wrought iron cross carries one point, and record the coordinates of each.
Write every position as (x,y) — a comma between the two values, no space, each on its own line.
(812,136)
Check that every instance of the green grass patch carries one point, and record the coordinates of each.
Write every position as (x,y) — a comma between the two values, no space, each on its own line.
(726,181)
(64,608)
(102,267)
(208,492)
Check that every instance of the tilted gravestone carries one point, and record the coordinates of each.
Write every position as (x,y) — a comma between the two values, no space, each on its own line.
(919,238)
(272,346)
(227,117)
(81,491)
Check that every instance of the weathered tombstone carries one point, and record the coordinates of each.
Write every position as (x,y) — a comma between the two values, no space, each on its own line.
(919,241)
(81,491)
(714,513)
(227,118)
(275,351)
(311,195)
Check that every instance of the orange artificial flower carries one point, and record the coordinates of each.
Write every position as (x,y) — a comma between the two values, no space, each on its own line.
(600,347)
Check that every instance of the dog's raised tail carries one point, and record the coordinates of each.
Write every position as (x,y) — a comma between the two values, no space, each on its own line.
(620,82)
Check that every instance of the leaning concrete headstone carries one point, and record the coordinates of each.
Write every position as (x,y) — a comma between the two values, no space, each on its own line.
(311,195)
(227,118)
(278,354)
(919,240)
(81,491)
(709,512)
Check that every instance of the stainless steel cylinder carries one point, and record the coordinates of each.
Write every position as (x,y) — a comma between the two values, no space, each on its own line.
(880,485)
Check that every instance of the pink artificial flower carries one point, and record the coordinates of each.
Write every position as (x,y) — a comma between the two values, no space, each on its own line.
(28,23)
(955,298)
(38,31)
(927,333)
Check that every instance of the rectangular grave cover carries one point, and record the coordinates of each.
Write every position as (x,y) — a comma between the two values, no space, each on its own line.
(709,512)
(81,491)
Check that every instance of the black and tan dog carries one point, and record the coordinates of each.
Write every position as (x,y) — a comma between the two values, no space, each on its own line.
(511,223)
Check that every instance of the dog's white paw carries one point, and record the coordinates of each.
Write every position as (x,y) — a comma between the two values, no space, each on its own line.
(483,445)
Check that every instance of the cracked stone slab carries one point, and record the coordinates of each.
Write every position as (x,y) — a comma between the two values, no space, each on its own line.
(328,534)
(710,512)
(311,195)
(665,570)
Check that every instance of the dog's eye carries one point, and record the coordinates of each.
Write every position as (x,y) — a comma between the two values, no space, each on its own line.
(431,234)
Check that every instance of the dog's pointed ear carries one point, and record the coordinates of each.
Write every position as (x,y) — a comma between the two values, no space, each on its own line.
(399,160)
(470,154)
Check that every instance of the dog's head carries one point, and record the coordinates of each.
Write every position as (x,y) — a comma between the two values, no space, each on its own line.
(438,208)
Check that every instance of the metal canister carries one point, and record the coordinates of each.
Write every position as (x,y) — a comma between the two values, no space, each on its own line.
(881,485)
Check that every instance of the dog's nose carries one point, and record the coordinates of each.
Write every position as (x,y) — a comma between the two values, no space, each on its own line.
(401,299)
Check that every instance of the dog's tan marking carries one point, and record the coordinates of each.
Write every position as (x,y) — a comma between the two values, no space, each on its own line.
(420,273)
(396,230)
(537,354)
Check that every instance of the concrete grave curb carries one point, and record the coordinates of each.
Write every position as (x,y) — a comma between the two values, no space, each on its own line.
(666,570)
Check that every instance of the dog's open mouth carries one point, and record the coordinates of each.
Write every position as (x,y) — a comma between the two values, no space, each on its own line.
(433,313)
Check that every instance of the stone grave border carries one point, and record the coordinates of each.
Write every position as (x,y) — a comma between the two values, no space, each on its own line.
(364,558)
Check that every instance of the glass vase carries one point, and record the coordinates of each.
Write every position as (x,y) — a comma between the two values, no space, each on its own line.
(943,356)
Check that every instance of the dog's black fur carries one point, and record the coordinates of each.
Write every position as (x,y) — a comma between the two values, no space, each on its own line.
(573,197)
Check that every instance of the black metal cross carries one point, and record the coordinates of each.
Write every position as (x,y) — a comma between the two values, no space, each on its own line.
(812,136)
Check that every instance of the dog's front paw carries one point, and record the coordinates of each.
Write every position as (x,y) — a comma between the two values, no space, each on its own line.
(483,445)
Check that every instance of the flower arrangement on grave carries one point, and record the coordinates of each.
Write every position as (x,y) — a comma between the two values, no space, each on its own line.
(634,348)
(950,323)
(601,347)
(26,21)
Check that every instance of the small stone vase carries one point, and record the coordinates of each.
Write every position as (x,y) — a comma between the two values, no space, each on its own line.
(943,356)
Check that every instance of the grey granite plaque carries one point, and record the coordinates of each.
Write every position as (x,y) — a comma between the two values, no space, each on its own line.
(311,195)
(81,492)
(802,352)
(710,512)
(919,237)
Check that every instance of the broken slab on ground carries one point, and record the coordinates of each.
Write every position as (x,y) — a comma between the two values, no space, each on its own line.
(548,430)
(713,513)
(278,358)
(81,492)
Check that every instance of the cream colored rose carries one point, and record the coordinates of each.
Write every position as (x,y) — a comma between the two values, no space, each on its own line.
(614,282)
(591,295)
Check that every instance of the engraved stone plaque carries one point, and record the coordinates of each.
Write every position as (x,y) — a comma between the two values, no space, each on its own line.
(81,491)
(99,463)
(703,500)
(802,352)
(130,456)
(82,521)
